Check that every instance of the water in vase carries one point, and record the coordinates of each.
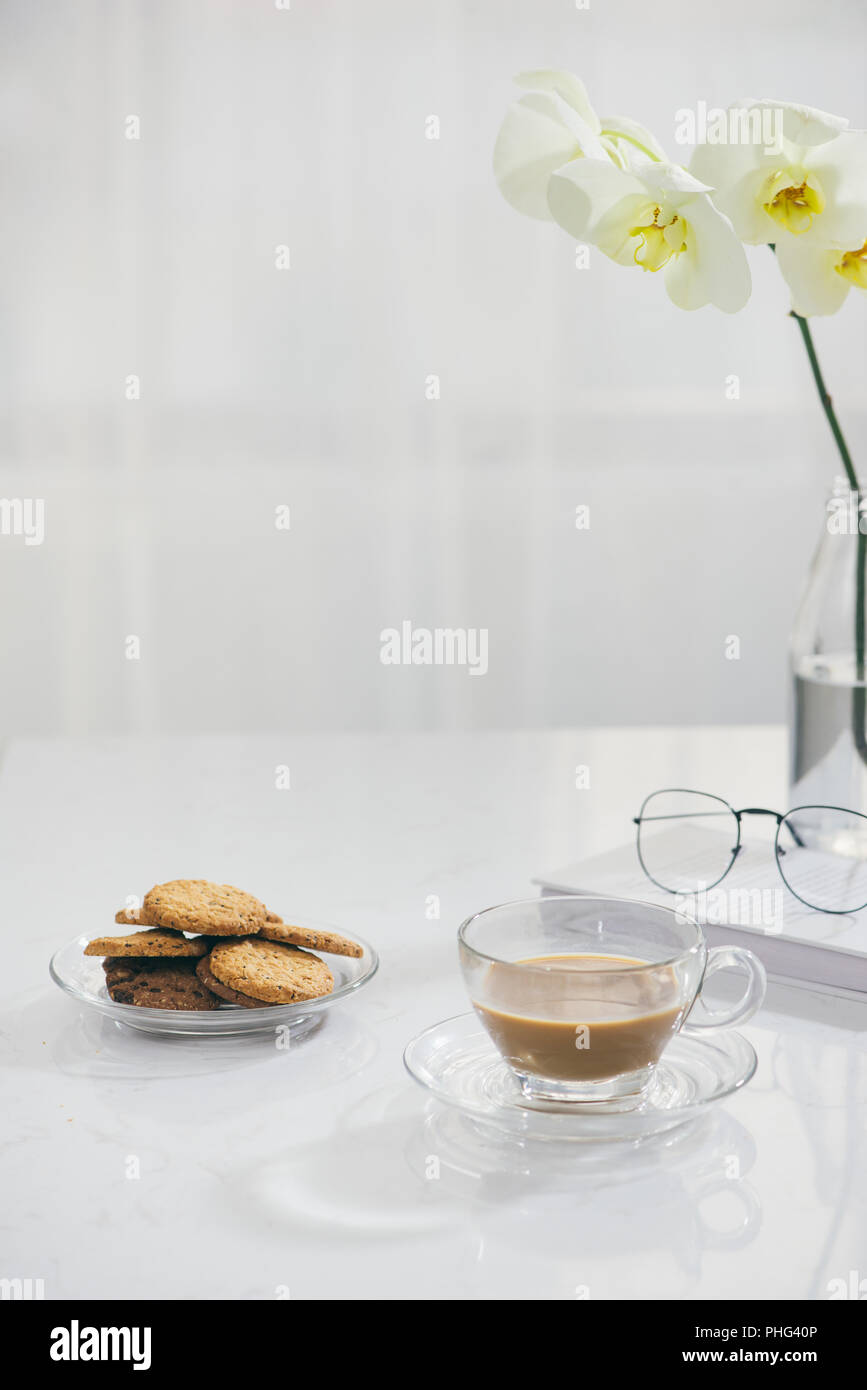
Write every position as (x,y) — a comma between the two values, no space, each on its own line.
(827,769)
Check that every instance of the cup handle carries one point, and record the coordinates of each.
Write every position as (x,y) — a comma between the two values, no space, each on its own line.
(727,958)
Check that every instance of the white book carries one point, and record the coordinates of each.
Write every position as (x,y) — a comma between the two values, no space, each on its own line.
(751,907)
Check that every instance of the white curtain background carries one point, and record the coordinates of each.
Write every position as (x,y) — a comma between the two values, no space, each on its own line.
(306,127)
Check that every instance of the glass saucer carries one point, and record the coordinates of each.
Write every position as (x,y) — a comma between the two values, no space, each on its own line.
(83,978)
(459,1064)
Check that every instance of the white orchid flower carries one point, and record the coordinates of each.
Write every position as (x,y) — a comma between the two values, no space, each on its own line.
(820,279)
(553,125)
(659,217)
(810,184)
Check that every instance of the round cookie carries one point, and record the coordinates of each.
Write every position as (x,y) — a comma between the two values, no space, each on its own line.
(119,968)
(156,942)
(132,917)
(328,941)
(268,971)
(173,985)
(195,905)
(231,996)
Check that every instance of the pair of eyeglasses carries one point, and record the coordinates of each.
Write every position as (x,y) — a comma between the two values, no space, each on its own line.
(688,842)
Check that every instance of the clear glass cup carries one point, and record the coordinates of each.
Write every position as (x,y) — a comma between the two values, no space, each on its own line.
(582,995)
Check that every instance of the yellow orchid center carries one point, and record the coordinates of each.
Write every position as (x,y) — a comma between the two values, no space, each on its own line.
(853,267)
(658,241)
(792,205)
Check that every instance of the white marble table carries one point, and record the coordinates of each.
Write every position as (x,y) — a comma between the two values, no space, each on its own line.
(306,1173)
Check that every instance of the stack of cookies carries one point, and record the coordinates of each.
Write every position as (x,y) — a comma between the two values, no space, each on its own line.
(206,944)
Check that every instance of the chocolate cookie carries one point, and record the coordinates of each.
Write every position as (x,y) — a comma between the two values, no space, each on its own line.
(328,941)
(270,972)
(195,905)
(155,942)
(163,986)
(119,968)
(231,996)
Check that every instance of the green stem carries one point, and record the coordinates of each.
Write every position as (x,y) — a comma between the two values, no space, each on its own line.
(827,403)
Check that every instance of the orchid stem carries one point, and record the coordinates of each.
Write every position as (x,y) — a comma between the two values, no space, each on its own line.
(827,403)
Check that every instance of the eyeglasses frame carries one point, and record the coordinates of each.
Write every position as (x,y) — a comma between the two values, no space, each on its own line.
(779,852)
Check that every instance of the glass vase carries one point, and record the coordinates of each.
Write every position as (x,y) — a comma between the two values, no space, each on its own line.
(828,729)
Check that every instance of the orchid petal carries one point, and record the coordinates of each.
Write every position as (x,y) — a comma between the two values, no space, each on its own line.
(802,125)
(812,277)
(737,174)
(840,168)
(532,143)
(595,201)
(567,86)
(713,268)
(672,180)
(628,132)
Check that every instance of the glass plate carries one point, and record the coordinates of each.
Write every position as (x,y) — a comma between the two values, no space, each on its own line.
(459,1064)
(83,978)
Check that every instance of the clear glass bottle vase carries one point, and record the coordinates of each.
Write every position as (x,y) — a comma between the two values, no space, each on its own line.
(828,719)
